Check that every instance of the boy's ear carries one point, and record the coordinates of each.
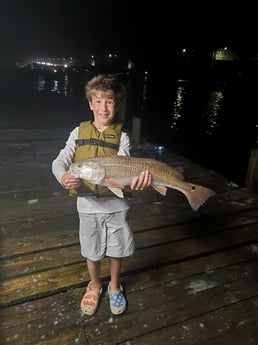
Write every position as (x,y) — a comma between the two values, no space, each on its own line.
(90,105)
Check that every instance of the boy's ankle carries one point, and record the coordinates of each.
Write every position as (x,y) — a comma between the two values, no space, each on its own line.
(95,287)
(114,287)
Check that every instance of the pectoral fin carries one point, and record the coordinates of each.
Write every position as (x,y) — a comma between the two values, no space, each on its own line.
(117,191)
(161,189)
(115,186)
(110,182)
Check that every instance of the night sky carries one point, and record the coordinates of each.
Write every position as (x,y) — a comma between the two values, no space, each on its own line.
(76,28)
(139,29)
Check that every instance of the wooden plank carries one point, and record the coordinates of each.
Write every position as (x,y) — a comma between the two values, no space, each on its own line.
(164,306)
(14,194)
(38,262)
(38,161)
(63,248)
(29,235)
(219,262)
(222,326)
(53,134)
(175,203)
(38,234)
(191,270)
(71,337)
(245,334)
(38,284)
(52,317)
(227,202)
(36,208)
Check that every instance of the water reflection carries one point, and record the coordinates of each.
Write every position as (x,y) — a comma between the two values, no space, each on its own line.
(178,107)
(66,85)
(210,116)
(55,85)
(41,83)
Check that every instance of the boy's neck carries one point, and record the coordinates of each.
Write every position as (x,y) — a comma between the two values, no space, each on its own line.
(99,126)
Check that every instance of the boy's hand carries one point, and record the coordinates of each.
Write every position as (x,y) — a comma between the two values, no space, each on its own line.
(69,181)
(142,181)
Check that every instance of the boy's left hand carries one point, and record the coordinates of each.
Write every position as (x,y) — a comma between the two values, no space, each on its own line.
(142,181)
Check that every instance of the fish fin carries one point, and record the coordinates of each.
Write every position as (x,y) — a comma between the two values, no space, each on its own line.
(198,196)
(161,189)
(110,182)
(117,191)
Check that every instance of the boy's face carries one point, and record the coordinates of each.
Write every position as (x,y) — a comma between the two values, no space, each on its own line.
(103,108)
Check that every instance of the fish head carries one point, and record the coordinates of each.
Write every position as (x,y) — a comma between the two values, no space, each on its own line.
(89,171)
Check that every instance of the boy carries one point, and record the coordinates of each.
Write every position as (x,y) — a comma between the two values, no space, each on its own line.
(103,230)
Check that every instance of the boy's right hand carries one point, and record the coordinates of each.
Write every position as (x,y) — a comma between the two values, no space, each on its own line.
(69,181)
(142,181)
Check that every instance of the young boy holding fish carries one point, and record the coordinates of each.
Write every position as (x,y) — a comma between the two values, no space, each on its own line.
(104,229)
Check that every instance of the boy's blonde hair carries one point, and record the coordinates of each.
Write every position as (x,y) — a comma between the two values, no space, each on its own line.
(108,84)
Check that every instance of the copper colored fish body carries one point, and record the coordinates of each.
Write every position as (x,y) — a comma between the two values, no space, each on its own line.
(116,172)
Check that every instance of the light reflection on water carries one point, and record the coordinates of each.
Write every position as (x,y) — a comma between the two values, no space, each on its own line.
(66,85)
(209,114)
(212,110)
(207,121)
(178,107)
(55,85)
(41,83)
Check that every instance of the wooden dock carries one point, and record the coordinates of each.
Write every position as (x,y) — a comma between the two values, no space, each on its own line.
(192,280)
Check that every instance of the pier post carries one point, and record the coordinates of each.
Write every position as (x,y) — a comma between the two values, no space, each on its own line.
(122,111)
(136,131)
(251,180)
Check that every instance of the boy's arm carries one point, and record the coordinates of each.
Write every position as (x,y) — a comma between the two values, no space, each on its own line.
(62,162)
(125,145)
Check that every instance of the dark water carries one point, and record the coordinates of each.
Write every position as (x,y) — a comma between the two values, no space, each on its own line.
(212,121)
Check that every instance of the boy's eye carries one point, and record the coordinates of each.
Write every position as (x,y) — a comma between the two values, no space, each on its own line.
(109,102)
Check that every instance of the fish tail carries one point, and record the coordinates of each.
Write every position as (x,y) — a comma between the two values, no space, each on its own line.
(198,196)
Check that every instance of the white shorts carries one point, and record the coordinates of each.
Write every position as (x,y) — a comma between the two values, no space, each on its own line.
(105,234)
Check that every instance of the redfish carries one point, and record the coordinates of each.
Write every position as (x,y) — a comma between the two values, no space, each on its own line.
(116,172)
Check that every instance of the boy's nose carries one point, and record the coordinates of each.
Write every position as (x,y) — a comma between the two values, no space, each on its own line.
(104,105)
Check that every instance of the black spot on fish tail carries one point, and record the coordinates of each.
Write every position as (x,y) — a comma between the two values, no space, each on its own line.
(198,196)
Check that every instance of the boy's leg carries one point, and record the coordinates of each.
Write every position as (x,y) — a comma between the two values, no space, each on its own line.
(115,267)
(117,299)
(91,298)
(94,271)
